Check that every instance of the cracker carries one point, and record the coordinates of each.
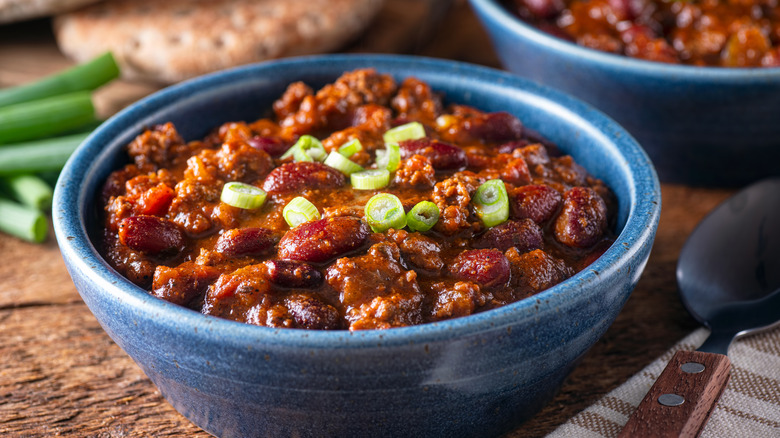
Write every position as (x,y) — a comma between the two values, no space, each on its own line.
(168,41)
(18,10)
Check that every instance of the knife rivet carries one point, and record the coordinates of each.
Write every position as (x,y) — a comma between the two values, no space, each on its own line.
(671,400)
(692,367)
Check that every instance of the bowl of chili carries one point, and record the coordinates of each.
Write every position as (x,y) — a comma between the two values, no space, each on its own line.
(701,119)
(480,374)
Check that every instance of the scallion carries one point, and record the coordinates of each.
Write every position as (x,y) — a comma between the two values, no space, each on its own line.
(390,159)
(370,179)
(87,76)
(38,156)
(492,203)
(342,163)
(409,131)
(240,195)
(300,210)
(23,222)
(385,211)
(44,117)
(307,148)
(423,216)
(29,190)
(350,148)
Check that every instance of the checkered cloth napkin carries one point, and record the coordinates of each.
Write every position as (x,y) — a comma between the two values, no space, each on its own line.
(749,407)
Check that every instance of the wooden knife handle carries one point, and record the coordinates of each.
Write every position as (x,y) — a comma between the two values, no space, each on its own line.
(682,399)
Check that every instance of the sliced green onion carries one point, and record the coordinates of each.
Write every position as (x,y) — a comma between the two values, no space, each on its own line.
(409,131)
(242,195)
(44,117)
(370,179)
(38,156)
(385,211)
(307,148)
(492,203)
(342,163)
(87,76)
(299,210)
(423,216)
(351,147)
(30,190)
(390,159)
(23,222)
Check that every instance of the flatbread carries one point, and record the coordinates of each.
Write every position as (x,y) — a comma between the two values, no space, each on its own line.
(18,10)
(168,41)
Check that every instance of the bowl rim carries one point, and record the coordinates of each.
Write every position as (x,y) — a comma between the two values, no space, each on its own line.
(76,247)
(721,75)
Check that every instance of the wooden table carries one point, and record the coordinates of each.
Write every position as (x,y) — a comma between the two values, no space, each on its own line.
(61,374)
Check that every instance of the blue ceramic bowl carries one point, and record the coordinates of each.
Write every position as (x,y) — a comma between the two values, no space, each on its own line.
(475,376)
(700,125)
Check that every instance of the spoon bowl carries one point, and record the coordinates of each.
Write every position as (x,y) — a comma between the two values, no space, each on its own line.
(729,268)
(729,278)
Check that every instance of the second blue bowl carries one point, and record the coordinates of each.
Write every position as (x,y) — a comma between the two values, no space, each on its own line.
(699,125)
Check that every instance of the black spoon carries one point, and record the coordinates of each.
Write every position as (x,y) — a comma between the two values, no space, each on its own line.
(729,279)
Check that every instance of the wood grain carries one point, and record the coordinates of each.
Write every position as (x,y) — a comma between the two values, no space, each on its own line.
(61,374)
(699,391)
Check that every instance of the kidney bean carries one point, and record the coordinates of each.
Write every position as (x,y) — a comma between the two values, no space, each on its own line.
(536,202)
(181,284)
(240,242)
(522,234)
(495,127)
(583,218)
(151,234)
(443,156)
(271,145)
(293,274)
(292,177)
(486,267)
(323,240)
(311,313)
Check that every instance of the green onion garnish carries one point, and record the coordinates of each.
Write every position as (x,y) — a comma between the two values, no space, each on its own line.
(390,158)
(370,179)
(44,117)
(342,163)
(492,203)
(299,210)
(409,131)
(351,147)
(385,211)
(38,156)
(23,222)
(307,148)
(87,76)
(423,216)
(30,190)
(242,195)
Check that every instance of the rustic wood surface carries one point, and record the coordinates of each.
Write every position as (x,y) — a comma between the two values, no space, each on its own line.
(60,374)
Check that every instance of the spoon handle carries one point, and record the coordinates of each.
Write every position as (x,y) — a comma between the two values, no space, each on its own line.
(682,399)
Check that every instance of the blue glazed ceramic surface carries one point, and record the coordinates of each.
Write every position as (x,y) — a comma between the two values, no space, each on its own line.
(473,376)
(703,126)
